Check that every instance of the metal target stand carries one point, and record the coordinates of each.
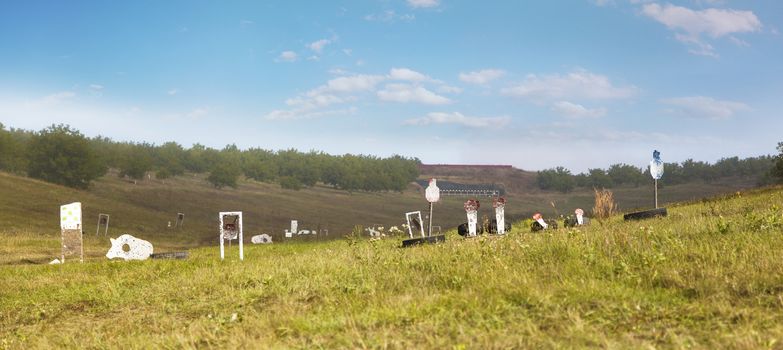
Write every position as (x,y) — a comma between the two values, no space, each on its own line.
(432,194)
(230,229)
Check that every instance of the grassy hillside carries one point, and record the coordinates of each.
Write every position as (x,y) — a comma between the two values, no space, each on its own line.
(707,276)
(514,180)
(145,208)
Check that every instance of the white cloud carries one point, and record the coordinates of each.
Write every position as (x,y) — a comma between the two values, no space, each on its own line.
(198,112)
(738,41)
(580,84)
(246,22)
(348,52)
(481,77)
(423,3)
(346,89)
(315,102)
(460,119)
(407,74)
(287,56)
(338,71)
(447,89)
(307,114)
(361,82)
(692,25)
(52,100)
(389,17)
(96,90)
(318,46)
(696,45)
(315,99)
(574,110)
(405,93)
(172,92)
(133,111)
(713,22)
(705,107)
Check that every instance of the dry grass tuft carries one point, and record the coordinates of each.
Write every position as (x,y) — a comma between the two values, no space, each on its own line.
(604,204)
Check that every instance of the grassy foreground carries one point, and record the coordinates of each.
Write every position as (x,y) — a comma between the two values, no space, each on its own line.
(708,276)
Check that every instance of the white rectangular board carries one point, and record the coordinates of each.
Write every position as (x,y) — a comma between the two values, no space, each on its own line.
(71,216)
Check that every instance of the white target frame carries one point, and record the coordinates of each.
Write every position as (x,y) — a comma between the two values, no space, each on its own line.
(105,224)
(410,228)
(238,214)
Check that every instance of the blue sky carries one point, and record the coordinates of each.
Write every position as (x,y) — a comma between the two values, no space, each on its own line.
(581,83)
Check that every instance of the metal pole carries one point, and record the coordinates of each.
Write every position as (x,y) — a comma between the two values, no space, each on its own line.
(222,254)
(429,234)
(656,193)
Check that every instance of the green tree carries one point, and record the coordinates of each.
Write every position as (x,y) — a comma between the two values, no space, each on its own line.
(777,170)
(170,159)
(13,149)
(136,160)
(259,164)
(728,166)
(200,159)
(626,174)
(559,179)
(599,179)
(62,155)
(224,173)
(107,151)
(581,180)
(301,166)
(163,174)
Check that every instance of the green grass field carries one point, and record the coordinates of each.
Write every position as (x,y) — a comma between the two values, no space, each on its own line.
(708,276)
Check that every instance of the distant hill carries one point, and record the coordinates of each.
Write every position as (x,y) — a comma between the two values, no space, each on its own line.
(513,180)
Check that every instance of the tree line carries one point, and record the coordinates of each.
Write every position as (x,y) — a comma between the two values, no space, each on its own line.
(62,155)
(764,169)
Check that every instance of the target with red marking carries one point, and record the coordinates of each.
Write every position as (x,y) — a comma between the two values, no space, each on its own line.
(472,205)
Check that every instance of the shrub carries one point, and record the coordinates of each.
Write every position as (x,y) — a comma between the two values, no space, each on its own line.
(290,183)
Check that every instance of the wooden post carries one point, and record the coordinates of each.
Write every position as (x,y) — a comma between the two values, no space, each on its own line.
(429,232)
(656,194)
